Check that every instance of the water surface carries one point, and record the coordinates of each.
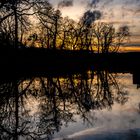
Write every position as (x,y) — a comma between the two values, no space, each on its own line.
(83,106)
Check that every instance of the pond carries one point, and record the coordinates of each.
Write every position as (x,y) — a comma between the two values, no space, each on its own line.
(82,106)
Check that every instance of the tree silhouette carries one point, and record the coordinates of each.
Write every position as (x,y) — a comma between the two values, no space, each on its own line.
(50,21)
(14,15)
(106,39)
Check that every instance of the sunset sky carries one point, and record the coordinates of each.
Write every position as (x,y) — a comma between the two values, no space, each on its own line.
(118,12)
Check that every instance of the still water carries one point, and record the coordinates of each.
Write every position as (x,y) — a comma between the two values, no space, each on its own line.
(84,106)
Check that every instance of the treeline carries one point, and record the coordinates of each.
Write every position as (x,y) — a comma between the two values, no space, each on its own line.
(35,23)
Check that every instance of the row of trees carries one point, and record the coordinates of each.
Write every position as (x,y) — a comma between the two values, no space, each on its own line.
(54,31)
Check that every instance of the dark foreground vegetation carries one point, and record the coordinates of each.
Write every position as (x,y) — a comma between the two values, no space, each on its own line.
(43,62)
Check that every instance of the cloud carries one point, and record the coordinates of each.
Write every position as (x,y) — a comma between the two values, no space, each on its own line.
(116,22)
(137,11)
(93,3)
(98,3)
(65,3)
(90,16)
(133,44)
(129,2)
(107,2)
(133,7)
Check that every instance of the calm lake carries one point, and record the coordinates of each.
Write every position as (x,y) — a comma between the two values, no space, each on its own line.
(82,106)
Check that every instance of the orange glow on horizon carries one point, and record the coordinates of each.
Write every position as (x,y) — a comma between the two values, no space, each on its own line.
(129,49)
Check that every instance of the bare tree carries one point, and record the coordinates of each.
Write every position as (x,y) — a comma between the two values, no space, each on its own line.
(107,39)
(50,21)
(14,14)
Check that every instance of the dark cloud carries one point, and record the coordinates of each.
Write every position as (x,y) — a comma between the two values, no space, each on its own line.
(90,16)
(130,2)
(124,30)
(137,9)
(132,45)
(65,3)
(107,2)
(93,3)
(133,7)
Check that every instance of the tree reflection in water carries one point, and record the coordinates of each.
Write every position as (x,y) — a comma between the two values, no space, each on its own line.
(59,99)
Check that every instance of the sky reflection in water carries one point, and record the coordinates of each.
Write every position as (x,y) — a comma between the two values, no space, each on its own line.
(97,105)
(119,122)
